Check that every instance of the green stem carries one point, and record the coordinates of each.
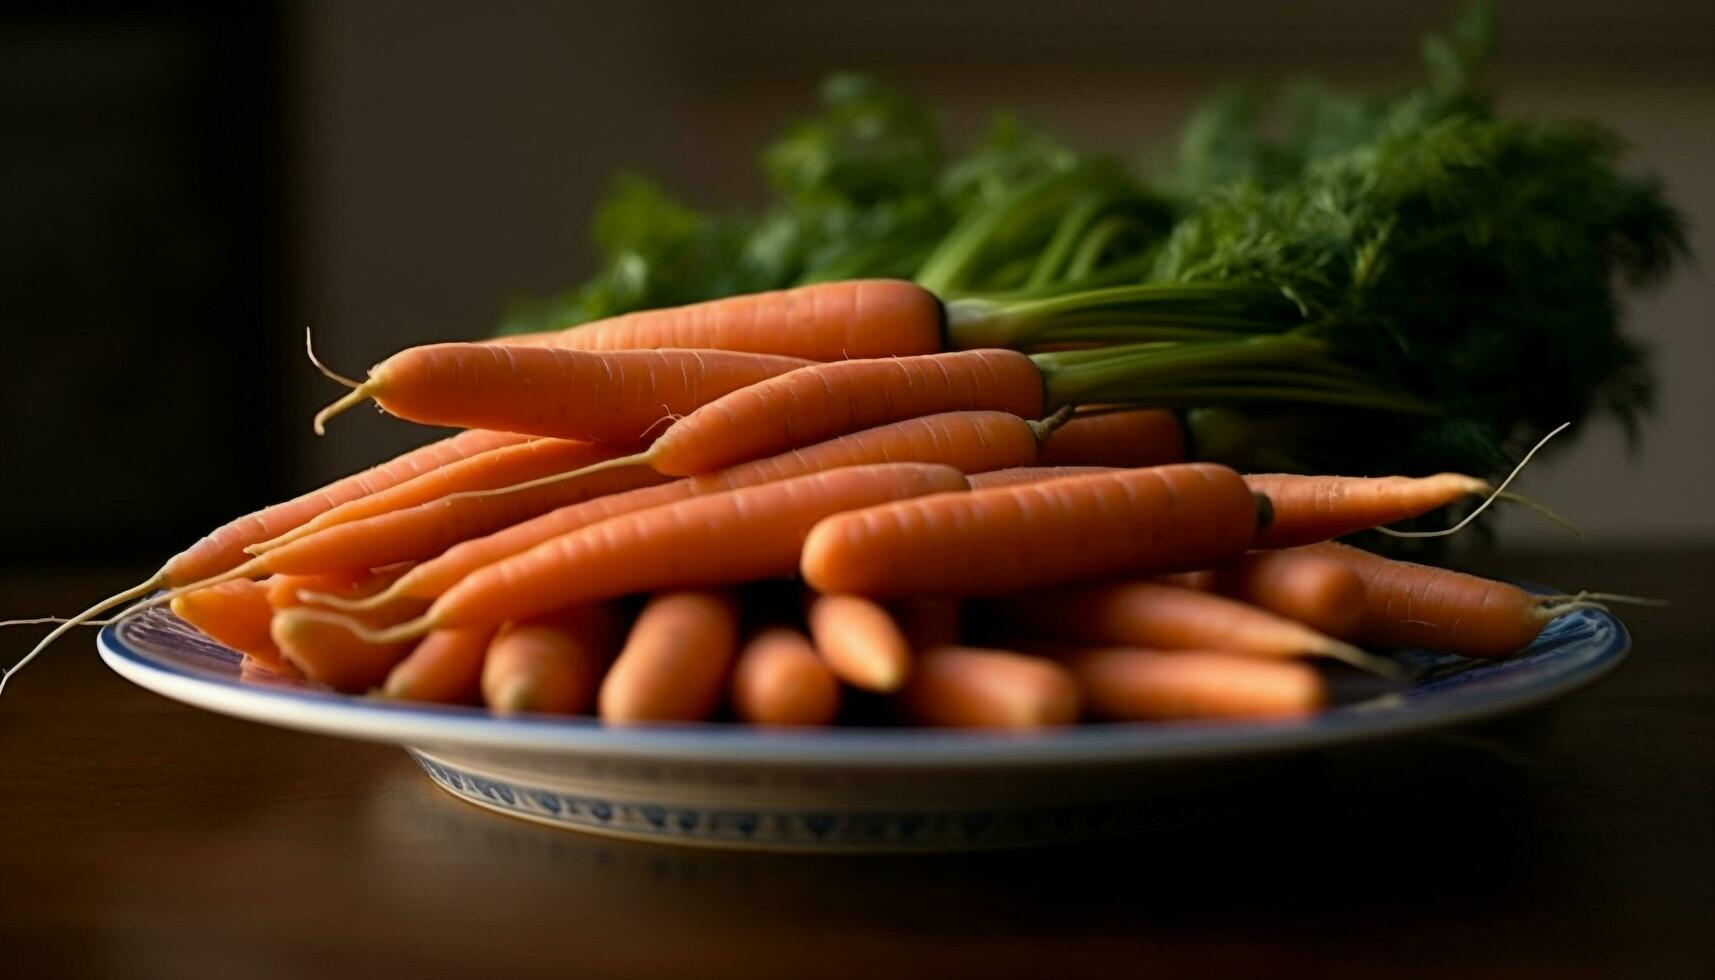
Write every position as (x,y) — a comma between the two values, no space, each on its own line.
(1095,242)
(1065,238)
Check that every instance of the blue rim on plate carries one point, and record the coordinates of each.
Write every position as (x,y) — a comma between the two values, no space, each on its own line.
(158,651)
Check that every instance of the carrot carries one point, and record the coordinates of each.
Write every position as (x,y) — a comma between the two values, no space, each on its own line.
(970,687)
(483,471)
(286,591)
(1020,475)
(233,614)
(1313,589)
(614,396)
(321,645)
(445,668)
(1138,437)
(552,664)
(822,322)
(675,662)
(1419,606)
(1308,509)
(1006,539)
(779,680)
(860,642)
(822,401)
(1130,684)
(1153,615)
(223,548)
(720,539)
(428,529)
(967,441)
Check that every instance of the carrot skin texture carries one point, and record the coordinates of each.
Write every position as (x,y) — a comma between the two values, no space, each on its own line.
(1308,509)
(483,471)
(967,441)
(234,614)
(822,401)
(611,396)
(968,687)
(720,539)
(1411,605)
(860,642)
(1021,475)
(444,668)
(779,680)
(1131,684)
(1158,616)
(675,663)
(223,548)
(428,529)
(552,664)
(821,322)
(1318,591)
(1140,437)
(1008,539)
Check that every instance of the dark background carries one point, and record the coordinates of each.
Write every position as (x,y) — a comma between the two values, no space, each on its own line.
(184,187)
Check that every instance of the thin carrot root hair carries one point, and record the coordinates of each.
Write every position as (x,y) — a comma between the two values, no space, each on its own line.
(44,620)
(408,630)
(143,588)
(635,459)
(1494,495)
(355,396)
(347,603)
(327,372)
(1367,662)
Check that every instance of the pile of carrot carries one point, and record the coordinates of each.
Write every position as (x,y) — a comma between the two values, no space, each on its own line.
(719,512)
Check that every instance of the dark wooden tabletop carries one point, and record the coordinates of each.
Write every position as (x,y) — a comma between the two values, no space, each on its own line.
(143,838)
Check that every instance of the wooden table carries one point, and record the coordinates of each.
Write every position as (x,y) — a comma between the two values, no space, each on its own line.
(139,837)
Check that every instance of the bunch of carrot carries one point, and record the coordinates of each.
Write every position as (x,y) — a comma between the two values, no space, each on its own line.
(978,537)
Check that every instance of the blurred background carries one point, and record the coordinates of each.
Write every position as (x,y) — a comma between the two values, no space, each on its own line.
(184,187)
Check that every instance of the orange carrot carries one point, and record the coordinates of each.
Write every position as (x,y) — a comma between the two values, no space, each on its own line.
(233,614)
(822,401)
(719,539)
(974,688)
(445,668)
(321,645)
(779,680)
(1006,539)
(1308,509)
(613,396)
(1020,475)
(1313,589)
(675,662)
(1153,615)
(552,664)
(967,441)
(1130,684)
(500,467)
(427,529)
(223,549)
(822,322)
(286,591)
(860,642)
(1137,437)
(1419,606)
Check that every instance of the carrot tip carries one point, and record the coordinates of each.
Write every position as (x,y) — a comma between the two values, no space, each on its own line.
(345,604)
(355,396)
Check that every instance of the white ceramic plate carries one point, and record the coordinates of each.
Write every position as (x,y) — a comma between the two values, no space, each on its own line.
(848,788)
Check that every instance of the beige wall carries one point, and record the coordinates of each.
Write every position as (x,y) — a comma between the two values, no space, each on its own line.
(449,153)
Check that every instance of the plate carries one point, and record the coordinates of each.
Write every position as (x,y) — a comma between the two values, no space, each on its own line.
(851,789)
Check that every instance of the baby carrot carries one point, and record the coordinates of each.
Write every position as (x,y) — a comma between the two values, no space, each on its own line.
(1153,615)
(1131,684)
(779,680)
(1308,509)
(1313,589)
(612,396)
(720,539)
(233,614)
(1410,605)
(860,642)
(822,322)
(975,688)
(675,662)
(445,668)
(322,646)
(1008,539)
(552,664)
